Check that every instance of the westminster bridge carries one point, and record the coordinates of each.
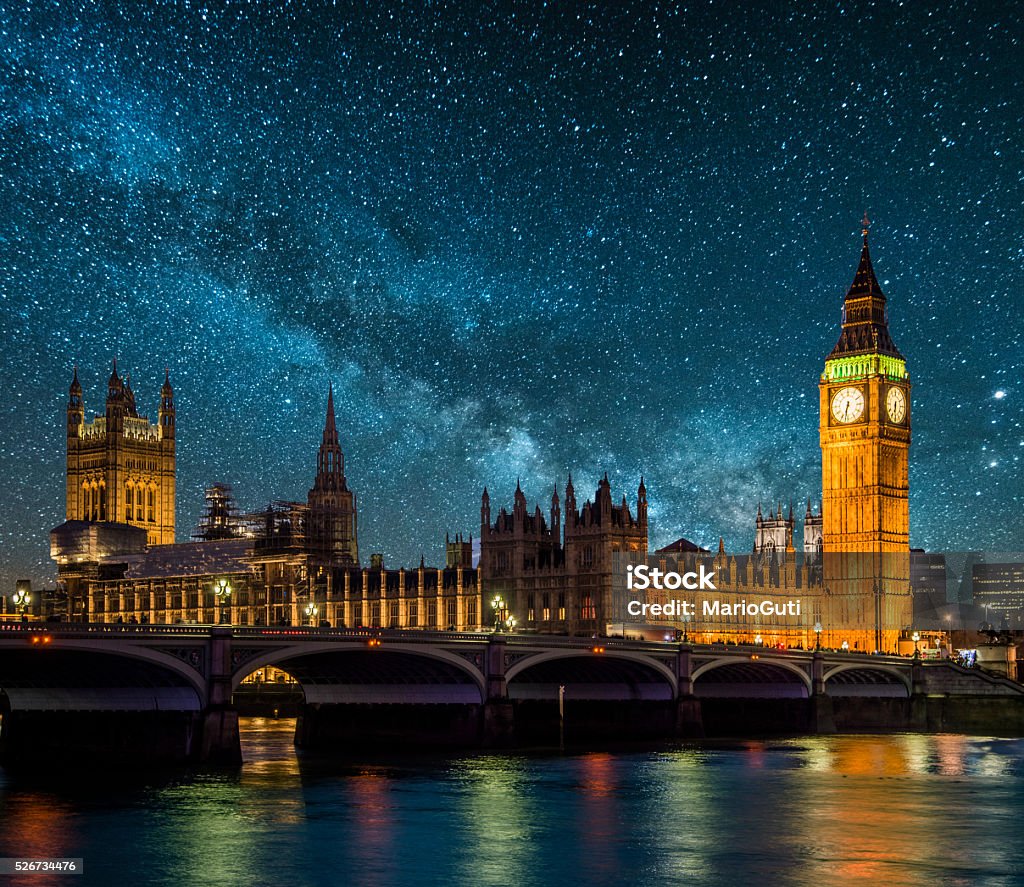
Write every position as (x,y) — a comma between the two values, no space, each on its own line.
(168,691)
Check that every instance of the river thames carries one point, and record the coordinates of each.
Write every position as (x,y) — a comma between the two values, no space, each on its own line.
(899,809)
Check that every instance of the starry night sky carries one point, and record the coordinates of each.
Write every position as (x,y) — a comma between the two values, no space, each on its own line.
(520,239)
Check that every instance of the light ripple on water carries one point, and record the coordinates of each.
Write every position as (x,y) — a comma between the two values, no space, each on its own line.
(841,809)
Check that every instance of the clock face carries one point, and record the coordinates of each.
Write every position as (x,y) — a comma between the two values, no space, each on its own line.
(896,404)
(848,405)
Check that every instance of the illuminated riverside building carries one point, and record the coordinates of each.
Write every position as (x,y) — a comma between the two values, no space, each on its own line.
(274,582)
(774,574)
(864,431)
(293,563)
(555,579)
(852,576)
(120,466)
(298,562)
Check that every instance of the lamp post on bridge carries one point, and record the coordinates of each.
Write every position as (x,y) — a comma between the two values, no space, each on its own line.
(311,613)
(21,600)
(222,591)
(503,620)
(817,636)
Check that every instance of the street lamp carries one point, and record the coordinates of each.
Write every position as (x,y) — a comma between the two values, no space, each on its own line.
(915,637)
(758,640)
(21,600)
(686,626)
(846,646)
(817,635)
(222,591)
(311,612)
(498,605)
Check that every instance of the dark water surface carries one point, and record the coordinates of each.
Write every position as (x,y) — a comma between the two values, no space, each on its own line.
(905,809)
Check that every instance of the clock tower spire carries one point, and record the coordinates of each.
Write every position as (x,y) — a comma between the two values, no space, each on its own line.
(864,429)
(865,316)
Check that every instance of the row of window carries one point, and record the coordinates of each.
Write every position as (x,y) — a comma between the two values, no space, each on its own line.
(139,503)
(587,609)
(502,560)
(140,464)
(373,617)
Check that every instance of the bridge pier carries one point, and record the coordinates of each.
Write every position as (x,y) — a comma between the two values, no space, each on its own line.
(689,718)
(689,714)
(919,721)
(497,719)
(219,741)
(823,719)
(306,726)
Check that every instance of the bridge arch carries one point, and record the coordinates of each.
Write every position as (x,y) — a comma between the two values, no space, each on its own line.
(71,673)
(327,665)
(744,672)
(871,679)
(642,674)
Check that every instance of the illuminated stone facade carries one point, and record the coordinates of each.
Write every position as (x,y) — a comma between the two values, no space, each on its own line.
(295,563)
(556,581)
(298,562)
(864,411)
(271,585)
(120,466)
(852,575)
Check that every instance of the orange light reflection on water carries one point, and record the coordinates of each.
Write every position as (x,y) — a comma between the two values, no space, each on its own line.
(863,820)
(601,790)
(38,825)
(372,822)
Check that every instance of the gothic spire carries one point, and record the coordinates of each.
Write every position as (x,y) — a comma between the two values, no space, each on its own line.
(865,283)
(330,463)
(865,318)
(114,384)
(329,424)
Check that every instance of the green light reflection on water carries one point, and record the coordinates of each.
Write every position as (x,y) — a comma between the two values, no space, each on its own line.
(495,817)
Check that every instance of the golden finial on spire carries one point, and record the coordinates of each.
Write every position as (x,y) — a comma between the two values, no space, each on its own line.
(865,225)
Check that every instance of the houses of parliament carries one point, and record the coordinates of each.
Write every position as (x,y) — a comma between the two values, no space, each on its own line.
(558,571)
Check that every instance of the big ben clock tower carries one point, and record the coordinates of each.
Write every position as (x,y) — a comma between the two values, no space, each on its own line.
(865,443)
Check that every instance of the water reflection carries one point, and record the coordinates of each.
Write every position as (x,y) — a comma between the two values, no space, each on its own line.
(268,748)
(823,810)
(371,824)
(495,819)
(598,833)
(37,824)
(886,810)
